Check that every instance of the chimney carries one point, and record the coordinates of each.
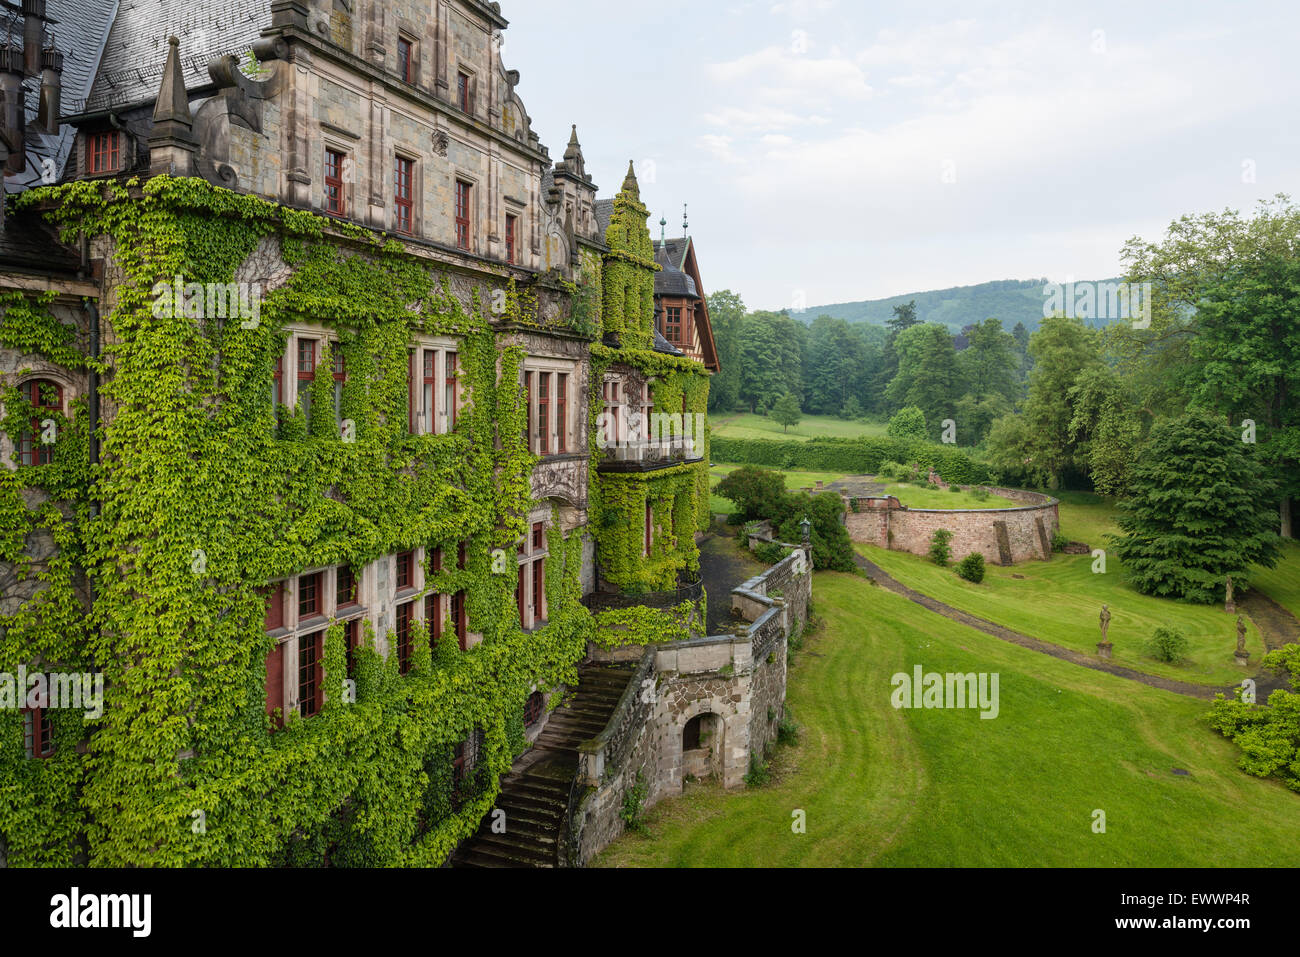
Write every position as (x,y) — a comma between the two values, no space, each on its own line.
(13,121)
(51,90)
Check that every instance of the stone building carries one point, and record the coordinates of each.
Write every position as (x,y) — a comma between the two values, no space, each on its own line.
(334,412)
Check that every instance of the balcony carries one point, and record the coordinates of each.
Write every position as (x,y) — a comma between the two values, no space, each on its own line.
(642,443)
(689,588)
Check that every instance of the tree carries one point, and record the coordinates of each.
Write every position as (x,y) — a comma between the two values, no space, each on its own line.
(907,423)
(787,411)
(988,365)
(904,317)
(1107,427)
(1200,511)
(927,372)
(771,347)
(831,546)
(756,493)
(852,409)
(832,365)
(726,313)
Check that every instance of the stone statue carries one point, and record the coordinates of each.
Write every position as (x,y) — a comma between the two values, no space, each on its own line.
(1229,586)
(1105,621)
(1241,636)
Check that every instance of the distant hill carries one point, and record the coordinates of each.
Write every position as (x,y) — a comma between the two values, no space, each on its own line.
(1011,300)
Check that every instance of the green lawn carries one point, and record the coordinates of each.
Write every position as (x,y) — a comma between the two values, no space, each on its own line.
(747,426)
(1282,583)
(793,480)
(918,496)
(890,787)
(1060,601)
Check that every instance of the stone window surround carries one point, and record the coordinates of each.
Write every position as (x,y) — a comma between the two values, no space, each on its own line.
(36,370)
(349,175)
(441,346)
(545,365)
(416,158)
(525,557)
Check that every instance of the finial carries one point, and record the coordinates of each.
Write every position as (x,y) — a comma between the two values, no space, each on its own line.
(663,231)
(685,225)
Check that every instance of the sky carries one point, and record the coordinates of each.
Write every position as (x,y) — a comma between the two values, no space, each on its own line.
(833,150)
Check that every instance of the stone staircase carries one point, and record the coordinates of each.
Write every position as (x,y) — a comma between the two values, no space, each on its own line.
(535,793)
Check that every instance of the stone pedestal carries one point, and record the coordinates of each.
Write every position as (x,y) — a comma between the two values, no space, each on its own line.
(1242,658)
(1230,607)
(1103,648)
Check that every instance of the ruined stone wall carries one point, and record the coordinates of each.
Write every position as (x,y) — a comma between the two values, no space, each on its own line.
(1004,536)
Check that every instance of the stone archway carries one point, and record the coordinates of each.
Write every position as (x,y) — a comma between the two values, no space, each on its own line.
(702,741)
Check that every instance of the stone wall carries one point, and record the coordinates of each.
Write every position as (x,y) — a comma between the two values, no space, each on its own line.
(1004,536)
(734,683)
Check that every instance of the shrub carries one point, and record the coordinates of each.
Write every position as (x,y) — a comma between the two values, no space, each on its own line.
(863,455)
(940,552)
(981,494)
(891,471)
(908,423)
(769,553)
(971,568)
(634,805)
(787,732)
(955,488)
(1167,645)
(1059,541)
(756,493)
(758,772)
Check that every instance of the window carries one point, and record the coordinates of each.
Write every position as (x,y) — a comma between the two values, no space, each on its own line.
(530,591)
(335,199)
(452,398)
(340,377)
(521,594)
(412,416)
(38,733)
(539,535)
(430,385)
(310,687)
(405,570)
(649,528)
(465,92)
(404,637)
(533,708)
(463,197)
(275,607)
(310,602)
(306,374)
(562,412)
(528,410)
(275,683)
(277,387)
(406,59)
(352,642)
(457,770)
(539,591)
(673,324)
(403,176)
(103,153)
(511,224)
(459,619)
(433,602)
(345,589)
(543,413)
(43,396)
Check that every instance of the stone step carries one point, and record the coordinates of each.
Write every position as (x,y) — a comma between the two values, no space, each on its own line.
(482,854)
(528,854)
(532,818)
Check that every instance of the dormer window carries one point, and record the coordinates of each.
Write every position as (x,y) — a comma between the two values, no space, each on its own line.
(103,152)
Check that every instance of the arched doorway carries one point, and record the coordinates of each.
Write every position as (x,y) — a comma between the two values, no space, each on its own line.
(702,746)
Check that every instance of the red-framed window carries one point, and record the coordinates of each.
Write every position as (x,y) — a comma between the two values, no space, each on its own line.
(306,373)
(340,377)
(453,390)
(533,708)
(310,600)
(562,412)
(311,689)
(430,380)
(275,607)
(43,396)
(404,615)
(275,683)
(465,92)
(352,642)
(405,570)
(459,616)
(406,59)
(412,412)
(539,536)
(464,194)
(432,605)
(543,413)
(528,409)
(345,587)
(673,324)
(335,197)
(103,152)
(521,593)
(38,733)
(512,223)
(403,186)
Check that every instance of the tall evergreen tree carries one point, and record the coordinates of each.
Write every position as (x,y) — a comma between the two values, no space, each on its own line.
(927,373)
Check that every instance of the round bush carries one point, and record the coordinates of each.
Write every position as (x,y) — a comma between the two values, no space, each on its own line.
(971,568)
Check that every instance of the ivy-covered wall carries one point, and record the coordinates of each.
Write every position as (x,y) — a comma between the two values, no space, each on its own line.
(182,768)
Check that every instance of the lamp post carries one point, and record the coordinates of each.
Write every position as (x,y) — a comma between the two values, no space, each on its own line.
(805,527)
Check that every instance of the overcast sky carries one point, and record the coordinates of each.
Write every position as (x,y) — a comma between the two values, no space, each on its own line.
(840,150)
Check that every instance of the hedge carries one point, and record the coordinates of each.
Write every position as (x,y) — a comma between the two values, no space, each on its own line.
(862,456)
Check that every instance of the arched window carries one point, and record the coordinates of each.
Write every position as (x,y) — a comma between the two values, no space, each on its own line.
(533,708)
(43,395)
(691,733)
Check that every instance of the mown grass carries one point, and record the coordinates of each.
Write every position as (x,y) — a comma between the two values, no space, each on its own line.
(748,426)
(890,787)
(793,480)
(1282,582)
(918,496)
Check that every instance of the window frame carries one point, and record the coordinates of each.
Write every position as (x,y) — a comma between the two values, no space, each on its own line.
(103,152)
(512,227)
(336,197)
(403,202)
(31,450)
(464,214)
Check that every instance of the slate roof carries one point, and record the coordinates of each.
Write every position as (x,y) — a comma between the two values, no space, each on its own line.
(79,30)
(604,213)
(131,71)
(663,345)
(29,246)
(671,281)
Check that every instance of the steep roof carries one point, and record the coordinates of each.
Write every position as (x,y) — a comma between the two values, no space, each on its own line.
(671,281)
(604,210)
(132,68)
